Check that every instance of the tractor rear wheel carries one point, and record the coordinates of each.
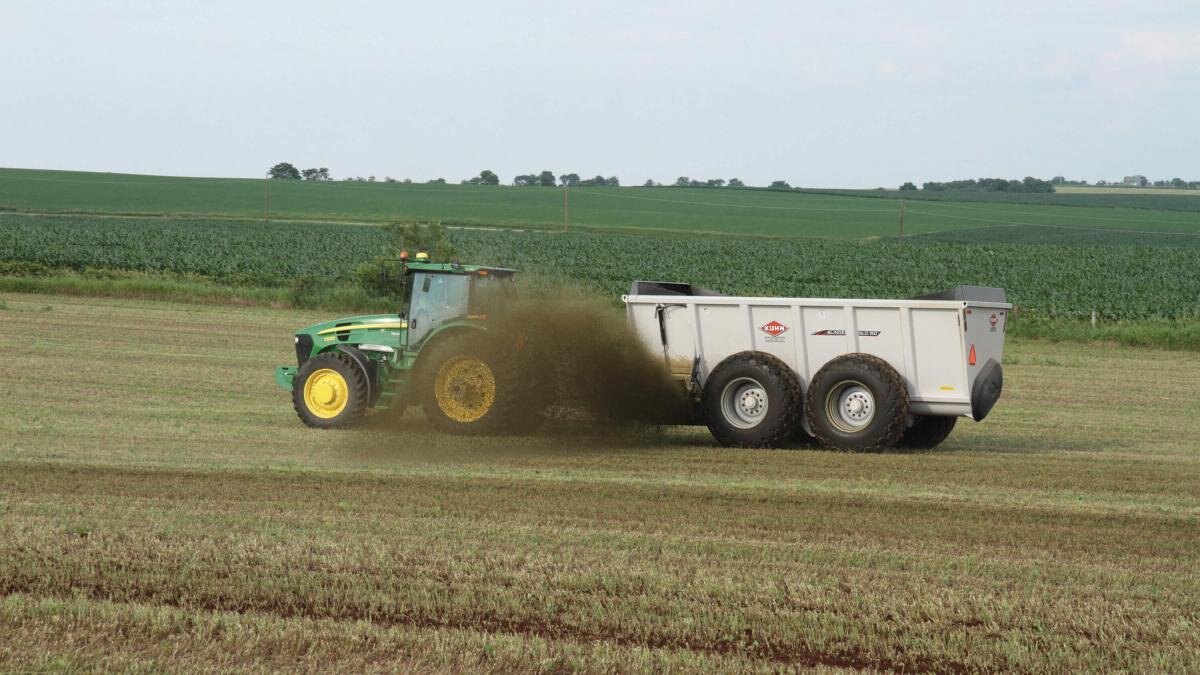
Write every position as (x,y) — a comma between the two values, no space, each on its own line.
(468,384)
(330,390)
(927,432)
(857,402)
(752,400)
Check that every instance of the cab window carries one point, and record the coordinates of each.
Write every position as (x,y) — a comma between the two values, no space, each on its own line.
(490,293)
(436,298)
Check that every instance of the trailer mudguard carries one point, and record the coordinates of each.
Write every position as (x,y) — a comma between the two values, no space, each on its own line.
(986,390)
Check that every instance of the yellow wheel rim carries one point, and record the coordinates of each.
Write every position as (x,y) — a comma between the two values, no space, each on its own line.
(465,389)
(326,393)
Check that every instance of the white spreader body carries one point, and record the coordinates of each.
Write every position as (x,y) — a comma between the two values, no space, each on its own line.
(943,346)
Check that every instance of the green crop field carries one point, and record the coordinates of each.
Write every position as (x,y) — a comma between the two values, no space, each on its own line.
(1046,271)
(161,509)
(846,215)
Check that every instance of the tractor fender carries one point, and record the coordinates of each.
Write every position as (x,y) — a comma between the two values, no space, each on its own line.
(368,368)
(446,330)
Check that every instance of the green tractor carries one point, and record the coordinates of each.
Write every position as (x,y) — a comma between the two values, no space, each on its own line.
(439,351)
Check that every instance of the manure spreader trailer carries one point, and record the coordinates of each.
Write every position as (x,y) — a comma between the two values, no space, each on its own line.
(861,375)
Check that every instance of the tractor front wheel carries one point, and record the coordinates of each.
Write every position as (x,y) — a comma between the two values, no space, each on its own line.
(330,390)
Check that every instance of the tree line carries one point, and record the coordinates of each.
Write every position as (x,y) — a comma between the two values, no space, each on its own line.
(287,171)
(1027,185)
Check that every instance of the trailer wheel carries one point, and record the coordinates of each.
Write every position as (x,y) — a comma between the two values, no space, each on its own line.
(753,400)
(927,432)
(330,390)
(468,385)
(857,402)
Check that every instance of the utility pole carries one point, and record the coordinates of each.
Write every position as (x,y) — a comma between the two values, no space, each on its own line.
(267,198)
(566,208)
(901,219)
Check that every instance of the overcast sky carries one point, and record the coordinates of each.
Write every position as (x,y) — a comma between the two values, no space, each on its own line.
(815,93)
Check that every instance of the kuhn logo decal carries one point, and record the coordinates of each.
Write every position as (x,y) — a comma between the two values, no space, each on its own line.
(774,328)
(839,331)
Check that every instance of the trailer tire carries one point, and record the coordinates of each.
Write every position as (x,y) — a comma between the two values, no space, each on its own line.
(467,384)
(330,390)
(753,400)
(857,402)
(927,432)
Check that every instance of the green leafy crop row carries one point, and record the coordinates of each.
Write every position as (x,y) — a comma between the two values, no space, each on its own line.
(1121,282)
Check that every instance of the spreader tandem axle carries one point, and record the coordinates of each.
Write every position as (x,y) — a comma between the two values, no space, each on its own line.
(862,375)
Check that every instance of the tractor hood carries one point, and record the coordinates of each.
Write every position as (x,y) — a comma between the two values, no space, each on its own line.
(367,322)
(377,329)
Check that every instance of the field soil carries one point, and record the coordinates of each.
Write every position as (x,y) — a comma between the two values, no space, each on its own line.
(161,507)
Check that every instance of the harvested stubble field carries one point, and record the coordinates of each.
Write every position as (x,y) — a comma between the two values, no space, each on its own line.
(161,507)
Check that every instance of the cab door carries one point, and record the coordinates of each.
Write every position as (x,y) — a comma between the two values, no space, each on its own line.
(436,298)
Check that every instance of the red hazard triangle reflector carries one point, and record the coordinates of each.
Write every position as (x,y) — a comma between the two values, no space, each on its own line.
(971,356)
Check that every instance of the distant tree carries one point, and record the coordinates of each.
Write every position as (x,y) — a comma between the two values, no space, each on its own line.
(1178,183)
(779,185)
(1058,180)
(310,174)
(546,179)
(908,187)
(389,179)
(525,179)
(715,183)
(370,179)
(649,183)
(1031,184)
(436,181)
(683,181)
(284,171)
(736,183)
(486,177)
(613,181)
(569,179)
(323,174)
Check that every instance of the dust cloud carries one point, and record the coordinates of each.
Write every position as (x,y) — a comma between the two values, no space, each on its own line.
(580,352)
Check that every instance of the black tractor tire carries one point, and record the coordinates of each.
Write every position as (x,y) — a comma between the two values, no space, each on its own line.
(493,398)
(884,412)
(351,394)
(927,432)
(753,400)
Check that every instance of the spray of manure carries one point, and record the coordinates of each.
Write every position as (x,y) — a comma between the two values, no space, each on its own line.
(580,350)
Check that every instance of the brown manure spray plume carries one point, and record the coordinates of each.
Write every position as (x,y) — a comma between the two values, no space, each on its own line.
(582,355)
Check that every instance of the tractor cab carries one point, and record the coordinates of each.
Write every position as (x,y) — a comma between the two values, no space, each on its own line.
(437,293)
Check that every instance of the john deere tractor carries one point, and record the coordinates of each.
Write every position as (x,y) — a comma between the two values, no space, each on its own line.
(443,351)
